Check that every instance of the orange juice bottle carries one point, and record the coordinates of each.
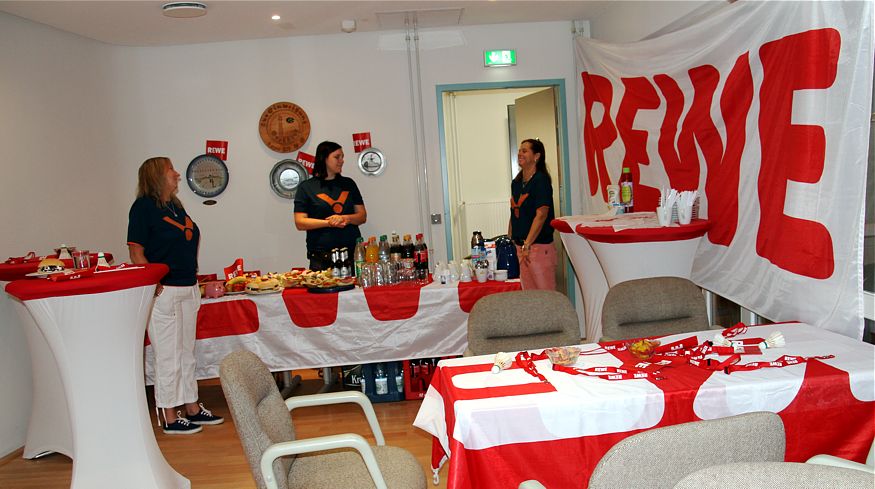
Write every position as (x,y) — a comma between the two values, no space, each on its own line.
(372,252)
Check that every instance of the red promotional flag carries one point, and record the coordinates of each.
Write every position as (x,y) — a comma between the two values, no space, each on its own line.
(307,161)
(235,269)
(218,148)
(361,141)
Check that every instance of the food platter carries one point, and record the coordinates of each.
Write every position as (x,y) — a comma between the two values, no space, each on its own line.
(330,290)
(264,292)
(236,292)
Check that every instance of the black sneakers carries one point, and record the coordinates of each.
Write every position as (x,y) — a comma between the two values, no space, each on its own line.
(204,417)
(181,426)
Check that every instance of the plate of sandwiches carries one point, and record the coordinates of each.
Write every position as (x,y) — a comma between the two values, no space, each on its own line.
(263,285)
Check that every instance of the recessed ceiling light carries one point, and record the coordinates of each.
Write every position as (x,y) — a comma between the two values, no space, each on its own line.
(184,10)
(275,17)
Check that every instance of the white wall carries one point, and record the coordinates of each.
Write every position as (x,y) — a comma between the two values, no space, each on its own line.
(57,169)
(79,117)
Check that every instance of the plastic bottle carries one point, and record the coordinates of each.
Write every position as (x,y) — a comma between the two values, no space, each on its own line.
(381,381)
(372,252)
(399,380)
(395,250)
(627,197)
(420,251)
(358,257)
(408,260)
(385,275)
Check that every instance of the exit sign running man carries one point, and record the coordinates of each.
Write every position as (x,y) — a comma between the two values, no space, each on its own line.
(499,57)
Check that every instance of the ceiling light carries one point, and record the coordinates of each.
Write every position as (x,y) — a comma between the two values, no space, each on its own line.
(347,26)
(184,10)
(275,17)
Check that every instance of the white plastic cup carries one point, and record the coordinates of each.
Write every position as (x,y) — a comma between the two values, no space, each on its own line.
(482,274)
(663,214)
(685,214)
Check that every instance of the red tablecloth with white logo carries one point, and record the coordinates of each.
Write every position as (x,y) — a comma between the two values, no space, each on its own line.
(297,329)
(501,429)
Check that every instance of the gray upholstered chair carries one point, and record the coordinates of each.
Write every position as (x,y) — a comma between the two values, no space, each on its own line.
(277,459)
(521,320)
(663,456)
(653,307)
(768,475)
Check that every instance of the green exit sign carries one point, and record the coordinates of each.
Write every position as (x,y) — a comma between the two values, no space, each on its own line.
(499,57)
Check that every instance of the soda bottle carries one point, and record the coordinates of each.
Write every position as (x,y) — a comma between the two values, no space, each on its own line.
(395,250)
(420,251)
(372,251)
(358,257)
(626,195)
(408,270)
(384,249)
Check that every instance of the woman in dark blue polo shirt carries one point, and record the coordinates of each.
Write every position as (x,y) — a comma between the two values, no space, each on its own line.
(160,231)
(329,207)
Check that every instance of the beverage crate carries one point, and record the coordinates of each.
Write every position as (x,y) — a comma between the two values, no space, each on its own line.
(393,375)
(417,376)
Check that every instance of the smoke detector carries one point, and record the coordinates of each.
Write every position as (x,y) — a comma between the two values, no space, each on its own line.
(347,26)
(184,10)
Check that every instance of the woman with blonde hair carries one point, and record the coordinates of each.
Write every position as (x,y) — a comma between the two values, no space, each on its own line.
(160,231)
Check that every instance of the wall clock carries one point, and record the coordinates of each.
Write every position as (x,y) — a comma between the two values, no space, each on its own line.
(284,127)
(372,162)
(286,176)
(207,176)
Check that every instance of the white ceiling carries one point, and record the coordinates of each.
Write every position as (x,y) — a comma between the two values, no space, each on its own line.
(141,23)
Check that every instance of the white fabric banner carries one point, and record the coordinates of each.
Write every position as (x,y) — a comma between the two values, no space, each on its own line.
(764,108)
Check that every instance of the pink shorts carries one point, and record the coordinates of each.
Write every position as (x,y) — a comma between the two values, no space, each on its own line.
(538,272)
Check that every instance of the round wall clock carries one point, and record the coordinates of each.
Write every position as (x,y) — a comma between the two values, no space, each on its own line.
(372,162)
(207,176)
(286,176)
(284,127)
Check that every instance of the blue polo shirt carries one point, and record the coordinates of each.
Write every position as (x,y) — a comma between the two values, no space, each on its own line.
(168,236)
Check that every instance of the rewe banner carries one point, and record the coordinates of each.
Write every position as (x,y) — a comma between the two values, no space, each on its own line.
(764,108)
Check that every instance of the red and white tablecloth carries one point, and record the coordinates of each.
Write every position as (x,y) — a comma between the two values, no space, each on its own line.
(296,329)
(501,429)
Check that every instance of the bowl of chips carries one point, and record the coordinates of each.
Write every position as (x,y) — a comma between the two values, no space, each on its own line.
(563,355)
(643,349)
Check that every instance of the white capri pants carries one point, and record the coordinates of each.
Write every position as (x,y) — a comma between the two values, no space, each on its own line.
(172,330)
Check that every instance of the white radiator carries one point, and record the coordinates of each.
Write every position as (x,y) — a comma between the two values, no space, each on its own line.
(490,218)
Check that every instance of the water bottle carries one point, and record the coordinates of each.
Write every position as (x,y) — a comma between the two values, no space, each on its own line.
(399,380)
(381,381)
(359,258)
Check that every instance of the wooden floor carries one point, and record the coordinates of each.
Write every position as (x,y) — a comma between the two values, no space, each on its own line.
(213,458)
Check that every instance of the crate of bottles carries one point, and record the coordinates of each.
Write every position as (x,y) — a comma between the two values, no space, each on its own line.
(383,382)
(417,376)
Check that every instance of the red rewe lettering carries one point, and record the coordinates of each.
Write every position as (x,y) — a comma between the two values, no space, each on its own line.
(597,138)
(639,95)
(793,151)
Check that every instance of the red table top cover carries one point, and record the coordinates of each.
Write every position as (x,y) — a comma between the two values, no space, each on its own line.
(40,288)
(606,234)
(19,270)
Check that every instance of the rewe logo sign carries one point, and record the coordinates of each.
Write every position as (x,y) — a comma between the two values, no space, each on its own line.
(790,152)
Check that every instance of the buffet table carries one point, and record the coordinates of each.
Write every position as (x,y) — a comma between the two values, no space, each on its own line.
(49,427)
(94,328)
(296,329)
(608,250)
(499,430)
